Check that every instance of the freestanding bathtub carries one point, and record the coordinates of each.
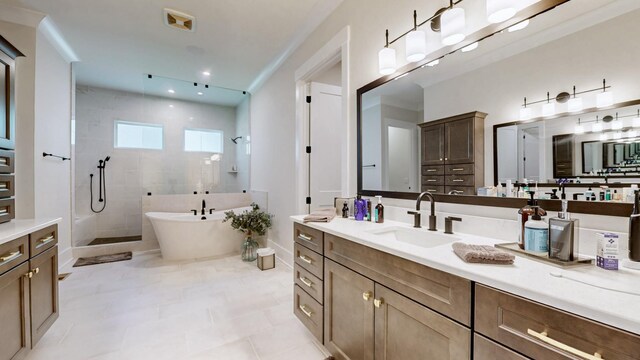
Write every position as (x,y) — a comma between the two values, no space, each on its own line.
(186,236)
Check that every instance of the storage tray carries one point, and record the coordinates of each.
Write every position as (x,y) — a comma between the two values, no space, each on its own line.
(544,257)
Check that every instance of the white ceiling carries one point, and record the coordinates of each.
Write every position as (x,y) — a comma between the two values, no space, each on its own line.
(118,42)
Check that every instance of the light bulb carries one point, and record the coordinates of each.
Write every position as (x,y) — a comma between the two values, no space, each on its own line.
(434,63)
(549,109)
(387,61)
(597,127)
(525,113)
(416,45)
(452,26)
(500,10)
(616,125)
(604,99)
(519,26)
(575,104)
(579,129)
(470,47)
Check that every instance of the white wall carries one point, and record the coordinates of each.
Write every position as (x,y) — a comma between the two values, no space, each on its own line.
(243,148)
(131,173)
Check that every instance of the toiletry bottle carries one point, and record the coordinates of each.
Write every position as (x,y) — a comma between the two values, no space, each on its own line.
(607,194)
(523,216)
(368,216)
(563,235)
(634,229)
(509,190)
(536,233)
(345,210)
(378,212)
(499,190)
(360,208)
(617,196)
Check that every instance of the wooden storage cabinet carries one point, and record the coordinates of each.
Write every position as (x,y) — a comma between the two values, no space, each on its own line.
(541,332)
(44,292)
(563,155)
(453,148)
(15,333)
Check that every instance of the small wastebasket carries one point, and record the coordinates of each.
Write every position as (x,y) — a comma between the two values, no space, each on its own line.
(266,258)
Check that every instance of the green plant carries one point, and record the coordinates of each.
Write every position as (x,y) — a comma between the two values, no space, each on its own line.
(251,222)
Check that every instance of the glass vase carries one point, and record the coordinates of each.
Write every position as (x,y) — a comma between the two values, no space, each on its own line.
(249,249)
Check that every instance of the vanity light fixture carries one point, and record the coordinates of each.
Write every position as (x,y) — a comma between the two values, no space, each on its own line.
(500,10)
(548,109)
(575,103)
(616,124)
(470,47)
(617,135)
(452,25)
(579,129)
(525,112)
(519,26)
(416,42)
(434,63)
(605,98)
(387,58)
(597,126)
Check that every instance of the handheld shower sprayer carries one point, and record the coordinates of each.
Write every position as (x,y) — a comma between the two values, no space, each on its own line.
(102,194)
(235,139)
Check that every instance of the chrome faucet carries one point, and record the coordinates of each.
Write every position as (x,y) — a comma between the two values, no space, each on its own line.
(416,214)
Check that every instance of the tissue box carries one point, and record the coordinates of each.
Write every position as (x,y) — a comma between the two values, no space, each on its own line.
(266,259)
(607,252)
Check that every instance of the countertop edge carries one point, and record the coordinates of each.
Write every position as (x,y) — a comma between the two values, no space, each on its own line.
(20,227)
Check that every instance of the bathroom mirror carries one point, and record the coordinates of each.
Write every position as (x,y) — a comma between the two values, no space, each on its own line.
(554,53)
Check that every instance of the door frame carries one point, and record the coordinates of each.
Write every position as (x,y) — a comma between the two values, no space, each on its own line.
(334,51)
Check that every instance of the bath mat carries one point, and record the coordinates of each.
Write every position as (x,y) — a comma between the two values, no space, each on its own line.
(84,261)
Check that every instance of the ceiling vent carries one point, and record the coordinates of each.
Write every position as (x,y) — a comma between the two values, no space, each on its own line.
(179,20)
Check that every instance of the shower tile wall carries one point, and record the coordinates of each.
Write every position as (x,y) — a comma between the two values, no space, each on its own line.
(130,174)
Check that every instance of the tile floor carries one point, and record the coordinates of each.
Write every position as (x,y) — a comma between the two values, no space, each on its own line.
(148,308)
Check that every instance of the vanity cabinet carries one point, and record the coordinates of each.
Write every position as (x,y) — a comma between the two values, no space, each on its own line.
(28,293)
(452,153)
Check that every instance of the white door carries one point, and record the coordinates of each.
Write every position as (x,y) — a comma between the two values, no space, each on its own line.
(325,117)
(401,159)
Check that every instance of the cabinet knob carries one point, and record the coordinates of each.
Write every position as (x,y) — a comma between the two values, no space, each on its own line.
(440,159)
(446,159)
(378,302)
(367,295)
(29,274)
(35,271)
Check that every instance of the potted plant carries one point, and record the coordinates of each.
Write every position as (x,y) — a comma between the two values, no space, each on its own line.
(254,222)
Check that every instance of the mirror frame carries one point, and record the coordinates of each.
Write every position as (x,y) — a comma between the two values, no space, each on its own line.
(585,207)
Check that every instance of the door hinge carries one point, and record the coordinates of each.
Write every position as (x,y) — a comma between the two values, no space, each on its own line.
(308,150)
(308,200)
(308,99)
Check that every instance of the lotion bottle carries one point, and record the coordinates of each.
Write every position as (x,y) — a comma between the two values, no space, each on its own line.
(378,212)
(536,234)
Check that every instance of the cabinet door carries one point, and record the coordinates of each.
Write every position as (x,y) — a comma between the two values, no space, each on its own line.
(562,155)
(44,293)
(14,313)
(348,313)
(7,100)
(433,145)
(459,141)
(407,330)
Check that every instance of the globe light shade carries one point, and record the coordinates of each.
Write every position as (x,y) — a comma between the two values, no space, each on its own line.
(616,125)
(549,109)
(579,129)
(597,127)
(500,10)
(604,99)
(452,26)
(416,46)
(519,26)
(575,104)
(470,47)
(387,61)
(525,113)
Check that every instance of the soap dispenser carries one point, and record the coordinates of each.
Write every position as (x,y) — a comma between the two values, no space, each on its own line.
(634,229)
(563,235)
(536,233)
(378,212)
(524,214)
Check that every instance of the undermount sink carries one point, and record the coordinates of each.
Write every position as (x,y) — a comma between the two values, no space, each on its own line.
(423,238)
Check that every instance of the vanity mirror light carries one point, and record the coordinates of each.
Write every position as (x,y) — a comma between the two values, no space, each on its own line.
(553,54)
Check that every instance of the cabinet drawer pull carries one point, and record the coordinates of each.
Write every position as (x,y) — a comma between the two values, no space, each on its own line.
(458,180)
(304,237)
(431,180)
(543,337)
(432,190)
(29,274)
(367,295)
(306,311)
(305,259)
(10,256)
(432,170)
(458,169)
(378,302)
(4,161)
(306,281)
(45,240)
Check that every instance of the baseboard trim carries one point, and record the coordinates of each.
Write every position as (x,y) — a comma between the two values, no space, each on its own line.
(65,257)
(282,254)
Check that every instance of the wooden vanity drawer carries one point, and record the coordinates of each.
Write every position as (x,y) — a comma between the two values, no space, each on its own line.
(308,282)
(466,190)
(433,189)
(309,260)
(309,311)
(539,331)
(460,180)
(7,158)
(447,294)
(485,349)
(433,180)
(7,185)
(433,170)
(460,169)
(43,239)
(13,253)
(7,210)
(309,237)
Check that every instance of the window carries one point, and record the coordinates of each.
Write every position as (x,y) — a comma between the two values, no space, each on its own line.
(203,140)
(133,135)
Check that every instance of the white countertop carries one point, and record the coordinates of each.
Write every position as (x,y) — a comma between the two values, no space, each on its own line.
(607,296)
(17,228)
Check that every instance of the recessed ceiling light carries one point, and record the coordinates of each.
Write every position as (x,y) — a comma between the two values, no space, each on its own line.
(171,91)
(519,26)
(200,93)
(170,106)
(206,73)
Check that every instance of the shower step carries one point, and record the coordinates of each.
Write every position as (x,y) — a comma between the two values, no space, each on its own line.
(115,240)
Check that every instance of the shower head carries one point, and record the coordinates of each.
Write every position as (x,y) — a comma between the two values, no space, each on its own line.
(235,140)
(107,158)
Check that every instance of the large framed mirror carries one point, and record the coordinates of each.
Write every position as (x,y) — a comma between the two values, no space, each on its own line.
(434,111)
